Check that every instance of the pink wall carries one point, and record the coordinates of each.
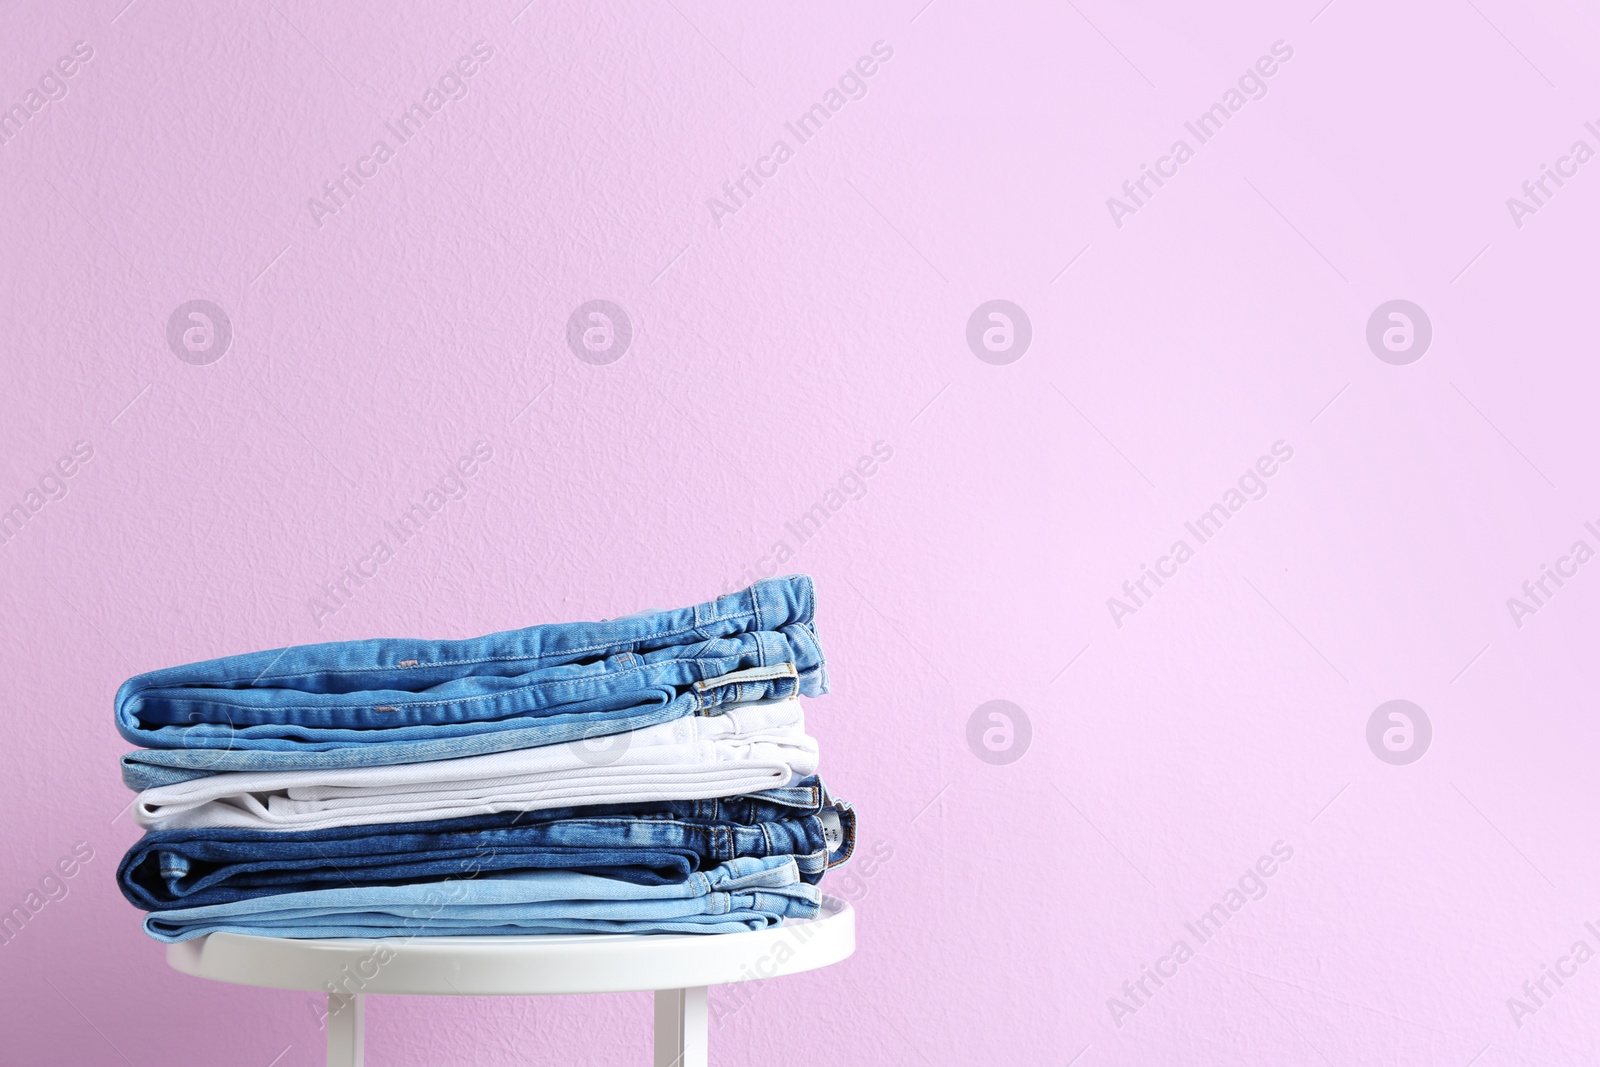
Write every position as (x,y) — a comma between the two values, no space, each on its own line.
(1176,339)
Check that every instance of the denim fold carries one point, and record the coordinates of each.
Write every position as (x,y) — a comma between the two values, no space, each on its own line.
(645,774)
(750,893)
(386,701)
(648,844)
(748,748)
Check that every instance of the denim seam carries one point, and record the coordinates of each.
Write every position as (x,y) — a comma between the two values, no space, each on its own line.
(655,819)
(740,616)
(847,824)
(435,703)
(615,645)
(755,600)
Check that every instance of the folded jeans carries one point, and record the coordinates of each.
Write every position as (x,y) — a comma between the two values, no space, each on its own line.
(747,749)
(743,894)
(146,768)
(191,868)
(434,681)
(578,674)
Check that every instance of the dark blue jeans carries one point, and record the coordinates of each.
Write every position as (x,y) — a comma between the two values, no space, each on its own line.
(648,844)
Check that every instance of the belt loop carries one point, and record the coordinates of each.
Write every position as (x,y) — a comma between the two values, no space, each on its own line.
(749,674)
(757,623)
(847,823)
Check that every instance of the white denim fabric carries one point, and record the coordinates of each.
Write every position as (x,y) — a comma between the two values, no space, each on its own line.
(747,748)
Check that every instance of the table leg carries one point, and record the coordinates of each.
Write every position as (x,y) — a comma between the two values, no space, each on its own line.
(682,1027)
(347,1025)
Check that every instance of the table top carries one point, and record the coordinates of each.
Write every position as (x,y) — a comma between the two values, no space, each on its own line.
(521,966)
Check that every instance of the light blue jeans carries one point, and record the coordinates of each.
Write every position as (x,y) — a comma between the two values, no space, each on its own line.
(388,701)
(749,893)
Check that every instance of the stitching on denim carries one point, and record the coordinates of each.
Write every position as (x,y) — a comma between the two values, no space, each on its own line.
(176,701)
(145,759)
(720,681)
(847,819)
(339,671)
(654,818)
(810,608)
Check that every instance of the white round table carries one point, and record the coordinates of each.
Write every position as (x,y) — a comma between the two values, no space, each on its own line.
(677,967)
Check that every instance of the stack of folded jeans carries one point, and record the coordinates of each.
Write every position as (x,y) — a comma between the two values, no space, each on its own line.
(648,774)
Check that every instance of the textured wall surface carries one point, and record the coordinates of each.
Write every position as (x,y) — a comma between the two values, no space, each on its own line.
(250,316)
